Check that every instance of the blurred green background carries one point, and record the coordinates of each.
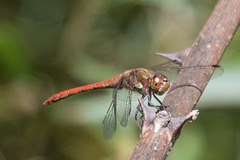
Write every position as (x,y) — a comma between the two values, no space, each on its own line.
(49,46)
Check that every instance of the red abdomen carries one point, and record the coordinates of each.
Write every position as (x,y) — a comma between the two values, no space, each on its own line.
(111,83)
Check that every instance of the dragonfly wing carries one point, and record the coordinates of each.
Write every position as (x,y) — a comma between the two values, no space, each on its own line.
(168,69)
(110,121)
(217,72)
(124,103)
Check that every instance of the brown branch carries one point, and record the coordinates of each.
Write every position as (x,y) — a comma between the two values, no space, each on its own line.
(207,50)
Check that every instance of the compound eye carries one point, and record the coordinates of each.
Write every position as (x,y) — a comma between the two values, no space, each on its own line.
(157,81)
(160,84)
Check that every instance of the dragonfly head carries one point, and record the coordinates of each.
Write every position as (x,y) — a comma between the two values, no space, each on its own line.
(160,84)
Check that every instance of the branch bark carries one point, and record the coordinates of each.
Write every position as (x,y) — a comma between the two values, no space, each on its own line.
(206,50)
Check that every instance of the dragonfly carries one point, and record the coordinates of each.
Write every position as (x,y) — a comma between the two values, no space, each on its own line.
(147,82)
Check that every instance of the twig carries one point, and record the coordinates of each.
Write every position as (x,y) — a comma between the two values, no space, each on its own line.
(207,50)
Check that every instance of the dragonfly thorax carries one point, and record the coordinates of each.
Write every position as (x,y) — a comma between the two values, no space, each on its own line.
(159,84)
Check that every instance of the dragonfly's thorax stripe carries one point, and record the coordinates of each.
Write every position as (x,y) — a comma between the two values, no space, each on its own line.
(137,80)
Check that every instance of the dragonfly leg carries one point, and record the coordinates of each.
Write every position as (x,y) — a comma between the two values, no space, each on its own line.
(139,125)
(151,104)
(161,107)
(157,99)
(139,110)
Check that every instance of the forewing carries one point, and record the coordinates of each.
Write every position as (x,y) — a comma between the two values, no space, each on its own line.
(110,121)
(217,72)
(168,69)
(124,103)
